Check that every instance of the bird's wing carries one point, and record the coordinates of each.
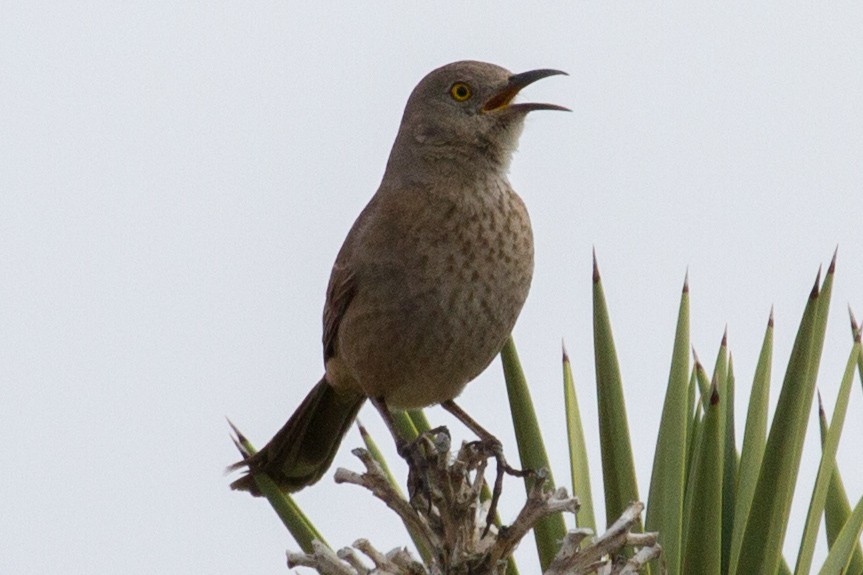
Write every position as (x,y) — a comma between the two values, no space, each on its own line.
(340,292)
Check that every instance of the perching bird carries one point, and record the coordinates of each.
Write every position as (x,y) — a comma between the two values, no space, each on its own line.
(431,277)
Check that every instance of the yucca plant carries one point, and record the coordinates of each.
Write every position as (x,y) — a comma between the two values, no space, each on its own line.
(711,508)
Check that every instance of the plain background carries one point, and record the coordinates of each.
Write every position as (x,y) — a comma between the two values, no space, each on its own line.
(176,179)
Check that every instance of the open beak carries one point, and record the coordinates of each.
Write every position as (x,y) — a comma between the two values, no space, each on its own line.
(516,82)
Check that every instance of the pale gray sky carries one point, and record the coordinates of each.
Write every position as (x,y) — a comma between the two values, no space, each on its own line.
(176,178)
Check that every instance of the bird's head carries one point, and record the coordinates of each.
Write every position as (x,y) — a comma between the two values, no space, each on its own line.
(466,111)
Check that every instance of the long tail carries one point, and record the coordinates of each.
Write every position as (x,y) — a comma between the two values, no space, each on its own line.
(304,448)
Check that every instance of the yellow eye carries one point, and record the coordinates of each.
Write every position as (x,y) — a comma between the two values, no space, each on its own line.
(460,91)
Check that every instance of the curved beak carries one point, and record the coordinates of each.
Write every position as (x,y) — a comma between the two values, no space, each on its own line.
(516,82)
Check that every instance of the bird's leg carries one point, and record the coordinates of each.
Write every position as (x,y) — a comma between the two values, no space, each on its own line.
(491,443)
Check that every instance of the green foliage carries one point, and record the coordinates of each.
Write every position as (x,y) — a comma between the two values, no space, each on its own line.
(296,522)
(754,440)
(618,469)
(735,505)
(765,529)
(669,461)
(717,510)
(549,532)
(578,463)
(702,549)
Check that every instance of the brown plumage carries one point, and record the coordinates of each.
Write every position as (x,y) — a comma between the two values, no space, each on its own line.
(431,277)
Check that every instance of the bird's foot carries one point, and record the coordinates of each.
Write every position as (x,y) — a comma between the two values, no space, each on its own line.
(416,455)
(492,446)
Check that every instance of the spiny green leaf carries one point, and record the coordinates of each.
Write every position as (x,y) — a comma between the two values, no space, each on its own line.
(694,411)
(299,526)
(618,469)
(703,545)
(856,334)
(720,370)
(837,509)
(754,438)
(730,463)
(376,454)
(578,462)
(548,532)
(667,487)
(405,426)
(419,420)
(837,558)
(703,384)
(692,498)
(826,467)
(763,537)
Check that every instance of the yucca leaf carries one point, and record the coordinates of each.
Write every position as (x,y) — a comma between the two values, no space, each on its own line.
(618,469)
(405,426)
(837,509)
(667,482)
(288,511)
(692,498)
(419,420)
(697,421)
(694,411)
(856,333)
(761,551)
(703,545)
(826,467)
(754,438)
(848,537)
(703,383)
(549,532)
(691,393)
(729,466)
(376,454)
(720,370)
(578,462)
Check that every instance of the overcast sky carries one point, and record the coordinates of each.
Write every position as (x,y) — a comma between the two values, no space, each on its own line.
(176,179)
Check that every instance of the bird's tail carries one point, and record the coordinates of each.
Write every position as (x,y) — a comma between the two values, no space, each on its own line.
(303,449)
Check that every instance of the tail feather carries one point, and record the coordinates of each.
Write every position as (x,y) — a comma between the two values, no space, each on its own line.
(304,448)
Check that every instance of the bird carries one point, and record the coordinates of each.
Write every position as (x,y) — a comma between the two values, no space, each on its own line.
(431,277)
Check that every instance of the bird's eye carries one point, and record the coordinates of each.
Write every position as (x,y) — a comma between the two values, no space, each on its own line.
(460,92)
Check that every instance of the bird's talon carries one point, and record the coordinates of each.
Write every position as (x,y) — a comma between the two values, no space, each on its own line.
(418,465)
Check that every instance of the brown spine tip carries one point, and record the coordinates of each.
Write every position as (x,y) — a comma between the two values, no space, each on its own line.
(363,431)
(596,277)
(714,393)
(686,281)
(832,268)
(855,327)
(563,350)
(820,404)
(724,342)
(240,442)
(770,319)
(695,358)
(237,433)
(814,293)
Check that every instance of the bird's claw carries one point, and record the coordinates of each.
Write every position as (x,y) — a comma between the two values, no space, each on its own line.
(418,464)
(493,447)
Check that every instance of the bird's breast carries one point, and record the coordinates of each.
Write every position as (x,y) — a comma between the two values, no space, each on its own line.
(437,308)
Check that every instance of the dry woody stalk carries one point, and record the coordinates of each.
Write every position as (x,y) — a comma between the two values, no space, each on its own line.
(446,515)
